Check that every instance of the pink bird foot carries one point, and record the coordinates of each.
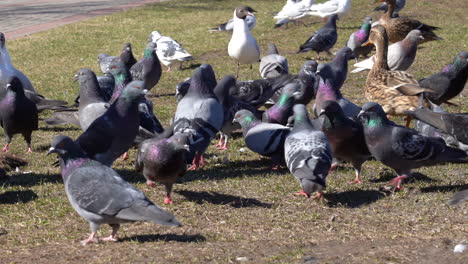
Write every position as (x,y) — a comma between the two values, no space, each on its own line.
(5,149)
(91,239)
(125,156)
(110,238)
(168,200)
(150,183)
(397,181)
(302,193)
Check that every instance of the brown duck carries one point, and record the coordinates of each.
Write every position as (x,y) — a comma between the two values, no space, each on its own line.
(396,91)
(398,27)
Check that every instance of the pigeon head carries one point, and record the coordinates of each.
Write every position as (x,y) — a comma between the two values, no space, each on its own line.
(367,20)
(372,114)
(272,49)
(154,36)
(377,35)
(127,47)
(2,40)
(331,114)
(134,91)
(244,117)
(181,141)
(243,11)
(332,20)
(65,147)
(203,80)
(14,85)
(344,53)
(309,67)
(301,118)
(461,60)
(414,36)
(150,50)
(182,89)
(84,74)
(116,68)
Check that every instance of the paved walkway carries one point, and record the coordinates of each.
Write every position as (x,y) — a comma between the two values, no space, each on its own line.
(23,17)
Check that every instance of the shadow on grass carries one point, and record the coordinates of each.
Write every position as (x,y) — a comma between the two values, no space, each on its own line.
(59,128)
(31,179)
(389,175)
(12,197)
(222,199)
(445,188)
(354,199)
(168,237)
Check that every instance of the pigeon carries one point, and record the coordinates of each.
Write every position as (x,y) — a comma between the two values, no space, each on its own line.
(401,148)
(121,76)
(327,92)
(126,56)
(330,8)
(308,154)
(182,89)
(360,37)
(230,105)
(168,50)
(282,110)
(273,64)
(292,11)
(199,113)
(163,160)
(307,80)
(113,133)
(92,102)
(346,137)
(323,39)
(148,69)
(451,124)
(100,195)
(461,196)
(257,92)
(148,119)
(266,139)
(399,5)
(243,47)
(336,71)
(229,26)
(400,55)
(449,82)
(18,114)
(7,70)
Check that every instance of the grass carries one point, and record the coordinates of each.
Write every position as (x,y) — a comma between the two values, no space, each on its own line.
(237,211)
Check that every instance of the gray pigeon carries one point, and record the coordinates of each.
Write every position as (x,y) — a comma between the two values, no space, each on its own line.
(400,55)
(323,39)
(360,37)
(18,114)
(346,137)
(308,154)
(265,139)
(273,65)
(199,113)
(461,196)
(100,195)
(230,105)
(182,89)
(336,70)
(113,133)
(327,92)
(163,160)
(126,56)
(282,109)
(148,69)
(401,148)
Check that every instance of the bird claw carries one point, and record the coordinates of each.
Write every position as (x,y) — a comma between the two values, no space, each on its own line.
(109,238)
(125,156)
(168,200)
(150,183)
(275,167)
(358,181)
(91,239)
(30,150)
(302,193)
(317,196)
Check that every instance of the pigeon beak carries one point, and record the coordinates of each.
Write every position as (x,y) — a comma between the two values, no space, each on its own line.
(51,150)
(145,92)
(75,78)
(421,37)
(8,85)
(367,43)
(322,112)
(187,147)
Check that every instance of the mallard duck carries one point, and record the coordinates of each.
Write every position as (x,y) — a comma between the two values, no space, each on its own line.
(396,91)
(398,27)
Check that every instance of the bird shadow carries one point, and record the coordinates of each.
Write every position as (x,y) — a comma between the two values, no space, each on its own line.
(131,176)
(166,238)
(354,199)
(13,197)
(444,188)
(388,175)
(31,179)
(191,66)
(222,199)
(59,128)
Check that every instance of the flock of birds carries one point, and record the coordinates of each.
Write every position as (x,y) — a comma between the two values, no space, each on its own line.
(115,114)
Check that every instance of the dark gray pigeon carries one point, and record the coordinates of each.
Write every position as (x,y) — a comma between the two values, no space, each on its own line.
(308,154)
(401,148)
(230,105)
(265,139)
(346,137)
(113,133)
(461,196)
(360,37)
(273,65)
(449,82)
(199,113)
(100,195)
(163,160)
(336,70)
(282,109)
(126,56)
(148,69)
(327,92)
(322,40)
(18,114)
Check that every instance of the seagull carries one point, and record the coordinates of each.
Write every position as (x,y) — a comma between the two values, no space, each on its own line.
(332,7)
(229,26)
(243,47)
(169,50)
(292,11)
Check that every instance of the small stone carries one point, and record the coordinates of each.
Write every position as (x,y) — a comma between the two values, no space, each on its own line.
(459,248)
(242,150)
(242,259)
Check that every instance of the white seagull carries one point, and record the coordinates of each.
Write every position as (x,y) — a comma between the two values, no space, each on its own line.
(292,11)
(228,26)
(168,50)
(326,9)
(243,47)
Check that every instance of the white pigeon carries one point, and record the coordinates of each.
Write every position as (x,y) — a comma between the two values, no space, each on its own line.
(168,50)
(229,26)
(243,47)
(292,11)
(326,9)
(400,55)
